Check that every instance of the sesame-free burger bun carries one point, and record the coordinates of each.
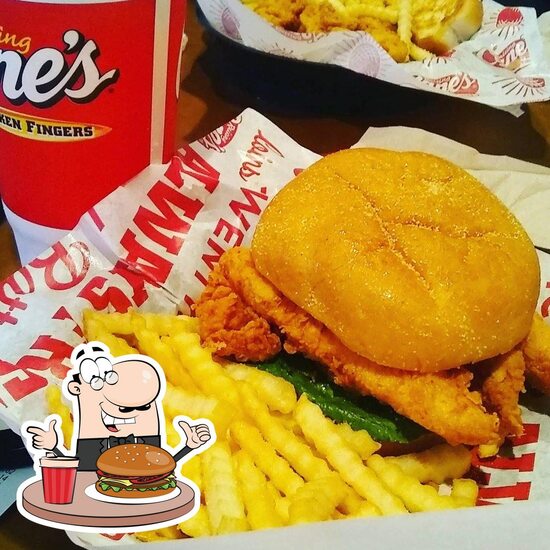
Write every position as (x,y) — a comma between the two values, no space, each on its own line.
(136,460)
(409,260)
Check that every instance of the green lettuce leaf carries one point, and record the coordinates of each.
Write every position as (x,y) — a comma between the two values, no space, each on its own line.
(342,405)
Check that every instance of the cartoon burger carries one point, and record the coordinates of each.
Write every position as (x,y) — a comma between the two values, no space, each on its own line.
(135,471)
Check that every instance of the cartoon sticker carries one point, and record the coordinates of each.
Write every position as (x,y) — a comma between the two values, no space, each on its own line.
(118,457)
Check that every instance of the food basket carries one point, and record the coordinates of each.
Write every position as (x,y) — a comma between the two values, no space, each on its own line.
(249,73)
(100,265)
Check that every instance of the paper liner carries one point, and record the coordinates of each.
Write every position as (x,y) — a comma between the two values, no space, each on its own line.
(152,243)
(502,65)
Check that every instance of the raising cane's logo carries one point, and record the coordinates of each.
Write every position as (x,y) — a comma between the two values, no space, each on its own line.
(221,137)
(46,77)
(458,83)
(513,57)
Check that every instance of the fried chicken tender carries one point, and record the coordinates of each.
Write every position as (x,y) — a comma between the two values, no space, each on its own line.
(281,13)
(230,327)
(536,350)
(503,379)
(441,402)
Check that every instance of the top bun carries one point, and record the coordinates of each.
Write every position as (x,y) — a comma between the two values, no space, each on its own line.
(409,260)
(135,460)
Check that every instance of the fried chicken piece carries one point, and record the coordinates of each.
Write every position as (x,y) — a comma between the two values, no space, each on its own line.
(503,380)
(536,350)
(386,35)
(323,18)
(281,13)
(230,327)
(441,402)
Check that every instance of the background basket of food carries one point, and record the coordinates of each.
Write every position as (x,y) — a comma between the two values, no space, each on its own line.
(475,50)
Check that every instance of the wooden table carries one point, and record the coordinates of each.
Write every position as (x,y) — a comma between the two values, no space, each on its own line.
(203,106)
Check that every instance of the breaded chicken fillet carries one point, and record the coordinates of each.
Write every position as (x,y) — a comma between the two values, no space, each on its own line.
(441,402)
(536,350)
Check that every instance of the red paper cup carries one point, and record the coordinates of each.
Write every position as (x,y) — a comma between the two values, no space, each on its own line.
(88,97)
(58,479)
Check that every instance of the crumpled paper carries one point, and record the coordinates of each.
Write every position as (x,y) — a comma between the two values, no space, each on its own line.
(502,65)
(152,243)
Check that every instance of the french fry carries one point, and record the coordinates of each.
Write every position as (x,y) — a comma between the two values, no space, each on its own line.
(324,435)
(95,330)
(276,468)
(224,503)
(277,393)
(128,323)
(150,344)
(282,506)
(273,490)
(166,533)
(316,500)
(404,21)
(419,54)
(417,497)
(55,405)
(281,502)
(170,532)
(198,525)
(359,440)
(91,326)
(289,422)
(366,509)
(180,401)
(192,469)
(378,12)
(488,450)
(169,325)
(113,323)
(337,5)
(173,438)
(148,536)
(288,445)
(464,492)
(258,500)
(285,442)
(436,464)
(117,346)
(208,375)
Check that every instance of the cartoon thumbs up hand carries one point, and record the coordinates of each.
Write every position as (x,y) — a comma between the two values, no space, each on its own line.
(44,438)
(196,435)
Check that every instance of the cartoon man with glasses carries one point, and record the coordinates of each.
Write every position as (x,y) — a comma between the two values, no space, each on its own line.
(115,401)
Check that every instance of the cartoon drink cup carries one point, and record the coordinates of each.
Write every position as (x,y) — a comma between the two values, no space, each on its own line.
(87,101)
(58,478)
